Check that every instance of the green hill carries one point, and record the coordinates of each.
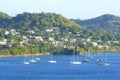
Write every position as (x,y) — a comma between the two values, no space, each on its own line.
(4,20)
(4,16)
(109,23)
(39,21)
(44,32)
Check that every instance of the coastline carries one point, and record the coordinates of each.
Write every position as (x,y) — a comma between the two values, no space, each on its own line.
(49,54)
(21,55)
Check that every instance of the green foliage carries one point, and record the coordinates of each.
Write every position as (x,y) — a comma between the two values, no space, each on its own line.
(4,16)
(61,28)
(41,21)
(108,23)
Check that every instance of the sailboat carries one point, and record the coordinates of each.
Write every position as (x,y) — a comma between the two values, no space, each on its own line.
(105,63)
(87,57)
(33,60)
(98,58)
(26,60)
(36,57)
(75,59)
(51,59)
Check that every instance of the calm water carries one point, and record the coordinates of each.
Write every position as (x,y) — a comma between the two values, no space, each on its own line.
(12,68)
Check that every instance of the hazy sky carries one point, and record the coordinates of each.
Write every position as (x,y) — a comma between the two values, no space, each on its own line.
(82,9)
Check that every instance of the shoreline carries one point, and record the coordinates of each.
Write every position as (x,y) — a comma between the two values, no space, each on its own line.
(49,54)
(21,55)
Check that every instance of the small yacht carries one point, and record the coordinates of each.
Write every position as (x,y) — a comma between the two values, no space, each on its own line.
(87,57)
(33,60)
(51,59)
(37,59)
(75,62)
(98,58)
(106,63)
(86,60)
(33,57)
(26,62)
(75,59)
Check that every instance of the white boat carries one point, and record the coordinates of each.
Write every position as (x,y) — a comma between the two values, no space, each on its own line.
(87,57)
(86,60)
(33,57)
(37,58)
(75,59)
(51,59)
(26,62)
(33,60)
(98,59)
(106,63)
(75,62)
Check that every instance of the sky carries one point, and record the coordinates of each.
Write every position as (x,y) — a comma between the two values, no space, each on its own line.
(82,9)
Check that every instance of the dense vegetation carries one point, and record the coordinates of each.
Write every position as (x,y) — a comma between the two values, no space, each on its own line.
(108,23)
(60,35)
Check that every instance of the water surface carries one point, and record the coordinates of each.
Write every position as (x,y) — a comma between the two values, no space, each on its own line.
(12,68)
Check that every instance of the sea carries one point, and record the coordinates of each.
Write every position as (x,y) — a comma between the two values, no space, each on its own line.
(13,68)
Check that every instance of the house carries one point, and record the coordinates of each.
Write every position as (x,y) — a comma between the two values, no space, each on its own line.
(10,44)
(38,38)
(48,30)
(88,40)
(57,28)
(62,45)
(2,43)
(51,39)
(100,46)
(94,44)
(106,46)
(31,31)
(13,31)
(65,39)
(115,42)
(6,32)
(23,42)
(55,43)
(72,40)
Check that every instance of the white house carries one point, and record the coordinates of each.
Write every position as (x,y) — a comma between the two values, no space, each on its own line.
(38,38)
(94,44)
(88,40)
(100,46)
(72,40)
(62,45)
(13,32)
(3,42)
(51,39)
(115,42)
(48,30)
(6,32)
(31,31)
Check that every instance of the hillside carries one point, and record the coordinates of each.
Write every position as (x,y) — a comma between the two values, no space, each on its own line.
(45,32)
(4,16)
(109,23)
(38,21)
(4,19)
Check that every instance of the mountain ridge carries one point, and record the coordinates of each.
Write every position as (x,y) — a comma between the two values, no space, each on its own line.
(28,20)
(107,22)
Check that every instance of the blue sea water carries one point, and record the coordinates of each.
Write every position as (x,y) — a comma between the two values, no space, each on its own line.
(12,68)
